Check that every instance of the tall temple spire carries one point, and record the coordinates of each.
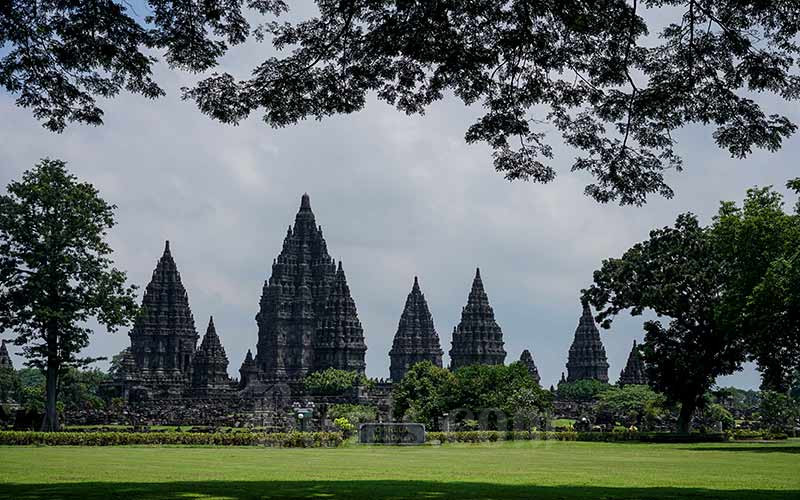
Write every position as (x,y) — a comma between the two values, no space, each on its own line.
(634,372)
(339,339)
(587,356)
(248,371)
(5,357)
(477,339)
(293,299)
(210,365)
(163,337)
(416,338)
(527,359)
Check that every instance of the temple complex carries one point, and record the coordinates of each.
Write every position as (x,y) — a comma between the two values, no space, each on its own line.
(527,359)
(477,340)
(210,366)
(633,373)
(5,357)
(587,356)
(416,338)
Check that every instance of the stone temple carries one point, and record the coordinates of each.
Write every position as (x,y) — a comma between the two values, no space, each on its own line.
(527,359)
(587,356)
(633,373)
(477,340)
(416,338)
(5,357)
(307,319)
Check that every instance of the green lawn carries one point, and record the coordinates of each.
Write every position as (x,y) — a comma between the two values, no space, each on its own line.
(557,470)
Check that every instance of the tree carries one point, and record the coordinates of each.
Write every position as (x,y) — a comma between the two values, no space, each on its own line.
(421,394)
(760,244)
(591,71)
(581,390)
(676,273)
(55,271)
(779,412)
(638,404)
(332,381)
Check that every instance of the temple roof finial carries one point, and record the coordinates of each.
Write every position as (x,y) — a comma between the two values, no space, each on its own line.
(166,248)
(305,202)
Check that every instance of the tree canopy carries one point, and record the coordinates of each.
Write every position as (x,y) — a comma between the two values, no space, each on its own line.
(55,271)
(614,79)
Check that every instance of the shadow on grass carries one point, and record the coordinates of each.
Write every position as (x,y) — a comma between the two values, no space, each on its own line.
(240,490)
(749,448)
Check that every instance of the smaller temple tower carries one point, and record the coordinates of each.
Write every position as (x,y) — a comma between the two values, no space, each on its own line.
(339,338)
(416,338)
(478,339)
(527,359)
(587,356)
(5,357)
(248,372)
(210,365)
(633,373)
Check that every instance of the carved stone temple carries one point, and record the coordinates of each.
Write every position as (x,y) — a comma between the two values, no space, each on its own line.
(527,359)
(587,356)
(5,357)
(416,338)
(477,340)
(633,373)
(210,365)
(307,319)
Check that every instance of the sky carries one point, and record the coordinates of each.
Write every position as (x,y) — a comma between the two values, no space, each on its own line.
(397,197)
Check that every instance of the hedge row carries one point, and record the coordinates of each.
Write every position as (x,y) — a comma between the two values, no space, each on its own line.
(279,439)
(744,434)
(650,437)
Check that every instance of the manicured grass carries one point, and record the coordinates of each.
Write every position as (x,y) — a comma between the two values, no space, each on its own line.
(549,469)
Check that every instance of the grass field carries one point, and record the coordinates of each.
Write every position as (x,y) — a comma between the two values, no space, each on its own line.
(550,470)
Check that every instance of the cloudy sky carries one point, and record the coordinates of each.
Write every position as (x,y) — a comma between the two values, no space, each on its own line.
(397,196)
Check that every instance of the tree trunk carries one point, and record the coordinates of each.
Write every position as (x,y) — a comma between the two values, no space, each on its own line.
(685,417)
(50,422)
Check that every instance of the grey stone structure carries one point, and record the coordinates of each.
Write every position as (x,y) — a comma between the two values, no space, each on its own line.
(248,371)
(5,357)
(210,365)
(587,356)
(163,338)
(477,339)
(527,359)
(633,373)
(416,338)
(293,302)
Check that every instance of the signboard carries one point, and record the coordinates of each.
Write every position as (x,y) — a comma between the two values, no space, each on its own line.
(391,433)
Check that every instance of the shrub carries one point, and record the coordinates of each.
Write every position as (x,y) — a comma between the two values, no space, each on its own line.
(332,382)
(280,439)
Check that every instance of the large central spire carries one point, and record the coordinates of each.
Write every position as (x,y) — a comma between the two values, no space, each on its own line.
(292,300)
(478,339)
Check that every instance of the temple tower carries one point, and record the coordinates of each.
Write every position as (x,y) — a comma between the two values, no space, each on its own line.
(416,338)
(339,340)
(210,370)
(587,356)
(163,337)
(248,371)
(5,357)
(527,359)
(293,299)
(633,373)
(477,339)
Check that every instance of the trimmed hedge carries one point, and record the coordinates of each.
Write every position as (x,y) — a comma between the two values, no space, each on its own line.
(278,439)
(648,437)
(744,434)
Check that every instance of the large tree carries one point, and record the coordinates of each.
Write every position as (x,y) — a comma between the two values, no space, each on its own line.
(675,273)
(55,271)
(615,78)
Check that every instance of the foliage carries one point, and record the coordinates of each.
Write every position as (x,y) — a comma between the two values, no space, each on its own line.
(279,439)
(737,399)
(344,425)
(614,82)
(715,414)
(332,381)
(779,412)
(421,394)
(581,390)
(637,405)
(355,414)
(9,385)
(617,436)
(760,244)
(55,273)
